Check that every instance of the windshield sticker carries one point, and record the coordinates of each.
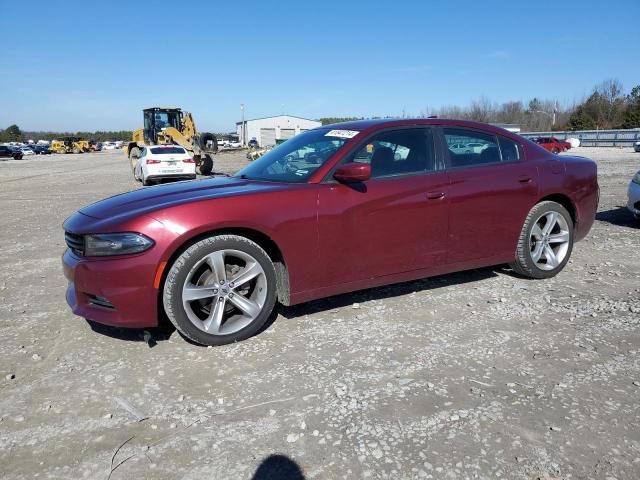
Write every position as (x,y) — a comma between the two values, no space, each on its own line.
(342,133)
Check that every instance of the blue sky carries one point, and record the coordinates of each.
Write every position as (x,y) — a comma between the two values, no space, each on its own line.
(82,65)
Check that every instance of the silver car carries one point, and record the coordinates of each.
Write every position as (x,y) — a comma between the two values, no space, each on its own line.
(633,204)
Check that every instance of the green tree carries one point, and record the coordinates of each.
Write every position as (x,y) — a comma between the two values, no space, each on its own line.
(581,120)
(631,117)
(12,134)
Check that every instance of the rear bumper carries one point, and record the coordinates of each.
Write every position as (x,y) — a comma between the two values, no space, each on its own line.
(587,207)
(179,177)
(126,284)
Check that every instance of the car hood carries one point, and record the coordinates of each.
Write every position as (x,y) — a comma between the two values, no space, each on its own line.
(148,200)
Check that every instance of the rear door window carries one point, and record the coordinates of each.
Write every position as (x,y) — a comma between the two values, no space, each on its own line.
(478,148)
(509,150)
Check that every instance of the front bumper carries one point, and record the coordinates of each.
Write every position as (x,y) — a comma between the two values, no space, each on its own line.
(125,283)
(633,202)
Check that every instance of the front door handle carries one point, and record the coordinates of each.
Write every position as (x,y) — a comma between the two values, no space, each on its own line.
(435,195)
(525,179)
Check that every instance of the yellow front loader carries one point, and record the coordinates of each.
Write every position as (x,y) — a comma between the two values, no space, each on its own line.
(70,145)
(172,126)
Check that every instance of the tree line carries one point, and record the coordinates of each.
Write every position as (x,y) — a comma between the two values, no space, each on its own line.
(14,134)
(607,107)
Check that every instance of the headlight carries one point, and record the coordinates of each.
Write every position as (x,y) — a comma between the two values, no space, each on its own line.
(636,178)
(103,244)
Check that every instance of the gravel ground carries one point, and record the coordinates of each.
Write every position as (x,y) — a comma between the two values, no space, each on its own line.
(478,374)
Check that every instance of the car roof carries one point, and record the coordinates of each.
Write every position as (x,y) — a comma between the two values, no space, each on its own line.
(375,124)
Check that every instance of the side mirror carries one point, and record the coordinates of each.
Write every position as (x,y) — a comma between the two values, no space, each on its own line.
(353,172)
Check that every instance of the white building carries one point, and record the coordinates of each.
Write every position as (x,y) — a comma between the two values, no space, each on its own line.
(269,129)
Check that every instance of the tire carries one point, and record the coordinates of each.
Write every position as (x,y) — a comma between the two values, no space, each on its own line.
(77,150)
(195,319)
(534,242)
(205,165)
(61,151)
(205,139)
(134,155)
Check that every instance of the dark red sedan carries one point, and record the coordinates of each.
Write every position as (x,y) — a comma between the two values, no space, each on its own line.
(332,210)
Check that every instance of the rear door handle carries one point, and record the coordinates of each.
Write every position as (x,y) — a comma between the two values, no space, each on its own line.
(525,179)
(435,195)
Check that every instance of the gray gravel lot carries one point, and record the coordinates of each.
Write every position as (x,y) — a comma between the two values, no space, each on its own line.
(478,374)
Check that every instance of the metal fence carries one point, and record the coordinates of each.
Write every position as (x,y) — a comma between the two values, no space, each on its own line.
(594,138)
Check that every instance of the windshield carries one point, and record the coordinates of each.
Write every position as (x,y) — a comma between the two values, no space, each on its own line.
(299,157)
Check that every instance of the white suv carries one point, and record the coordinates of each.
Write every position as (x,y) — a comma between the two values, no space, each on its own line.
(164,162)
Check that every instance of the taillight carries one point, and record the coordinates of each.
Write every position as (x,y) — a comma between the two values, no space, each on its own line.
(151,161)
(189,160)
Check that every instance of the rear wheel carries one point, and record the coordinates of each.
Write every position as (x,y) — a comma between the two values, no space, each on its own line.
(61,151)
(76,150)
(546,241)
(134,155)
(220,290)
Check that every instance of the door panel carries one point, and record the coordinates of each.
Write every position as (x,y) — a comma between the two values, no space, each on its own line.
(488,207)
(382,226)
(492,189)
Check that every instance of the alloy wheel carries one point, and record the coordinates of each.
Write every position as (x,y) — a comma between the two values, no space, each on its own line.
(549,240)
(224,292)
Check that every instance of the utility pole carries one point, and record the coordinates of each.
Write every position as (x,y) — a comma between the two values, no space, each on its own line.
(244,127)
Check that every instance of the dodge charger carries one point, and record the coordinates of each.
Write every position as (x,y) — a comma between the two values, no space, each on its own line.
(336,209)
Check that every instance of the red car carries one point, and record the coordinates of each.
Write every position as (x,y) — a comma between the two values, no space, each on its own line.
(335,209)
(553,144)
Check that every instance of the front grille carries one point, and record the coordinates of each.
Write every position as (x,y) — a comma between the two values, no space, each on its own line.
(75,243)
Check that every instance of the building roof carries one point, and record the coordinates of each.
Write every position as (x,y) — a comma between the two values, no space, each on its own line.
(277,116)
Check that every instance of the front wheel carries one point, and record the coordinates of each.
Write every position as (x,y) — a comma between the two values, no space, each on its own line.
(220,290)
(546,241)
